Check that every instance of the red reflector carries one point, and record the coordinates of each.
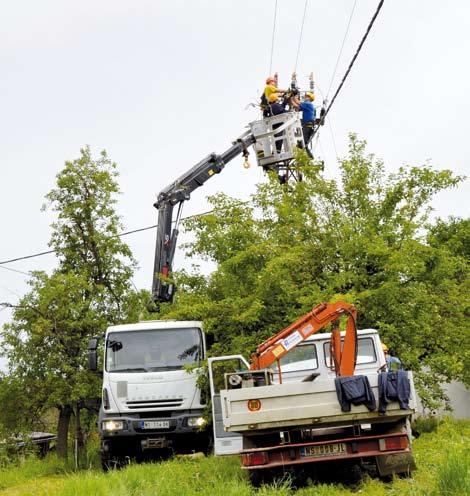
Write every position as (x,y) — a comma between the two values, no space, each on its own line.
(393,443)
(250,459)
(254,405)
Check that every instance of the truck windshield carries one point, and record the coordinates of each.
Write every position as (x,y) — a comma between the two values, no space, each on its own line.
(303,357)
(152,350)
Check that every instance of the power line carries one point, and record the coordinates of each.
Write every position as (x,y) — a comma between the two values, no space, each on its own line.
(369,27)
(341,49)
(34,255)
(272,38)
(14,270)
(300,37)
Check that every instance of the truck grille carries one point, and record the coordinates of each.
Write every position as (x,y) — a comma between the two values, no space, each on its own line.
(166,403)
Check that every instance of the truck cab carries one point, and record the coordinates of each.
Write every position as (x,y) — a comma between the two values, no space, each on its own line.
(150,400)
(313,356)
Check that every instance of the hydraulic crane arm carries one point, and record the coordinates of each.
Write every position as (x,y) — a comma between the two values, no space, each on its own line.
(344,357)
(175,194)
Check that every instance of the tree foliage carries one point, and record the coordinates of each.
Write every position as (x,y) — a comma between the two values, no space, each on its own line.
(46,342)
(361,238)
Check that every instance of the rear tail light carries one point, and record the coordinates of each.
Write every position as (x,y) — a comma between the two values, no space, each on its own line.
(393,443)
(250,459)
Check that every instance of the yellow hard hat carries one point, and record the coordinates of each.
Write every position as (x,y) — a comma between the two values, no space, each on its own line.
(273,97)
(384,347)
(310,95)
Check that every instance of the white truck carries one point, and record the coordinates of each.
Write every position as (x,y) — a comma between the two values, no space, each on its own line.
(150,401)
(299,425)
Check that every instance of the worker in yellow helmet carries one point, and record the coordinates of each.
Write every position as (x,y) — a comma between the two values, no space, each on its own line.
(269,89)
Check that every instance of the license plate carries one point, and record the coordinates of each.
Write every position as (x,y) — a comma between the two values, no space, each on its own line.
(155,424)
(324,450)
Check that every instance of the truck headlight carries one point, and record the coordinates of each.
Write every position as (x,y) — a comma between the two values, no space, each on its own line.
(196,421)
(112,425)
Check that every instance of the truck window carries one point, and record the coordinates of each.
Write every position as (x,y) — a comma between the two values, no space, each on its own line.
(302,357)
(365,351)
(153,350)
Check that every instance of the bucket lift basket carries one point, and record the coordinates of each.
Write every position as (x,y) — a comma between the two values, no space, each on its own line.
(283,128)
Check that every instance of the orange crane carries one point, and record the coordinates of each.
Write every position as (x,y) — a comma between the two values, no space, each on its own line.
(344,357)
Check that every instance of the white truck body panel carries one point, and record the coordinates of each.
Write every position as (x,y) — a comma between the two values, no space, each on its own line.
(175,390)
(302,403)
(315,403)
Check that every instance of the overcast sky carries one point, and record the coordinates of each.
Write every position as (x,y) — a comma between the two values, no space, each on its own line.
(159,85)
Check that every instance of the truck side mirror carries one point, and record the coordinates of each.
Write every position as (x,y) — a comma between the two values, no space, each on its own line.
(93,354)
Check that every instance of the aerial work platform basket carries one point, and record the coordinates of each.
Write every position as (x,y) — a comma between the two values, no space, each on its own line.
(277,138)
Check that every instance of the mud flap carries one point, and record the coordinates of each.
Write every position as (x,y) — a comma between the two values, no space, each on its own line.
(397,463)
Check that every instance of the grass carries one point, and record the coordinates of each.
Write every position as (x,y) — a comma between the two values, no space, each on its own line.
(442,456)
(453,476)
(30,468)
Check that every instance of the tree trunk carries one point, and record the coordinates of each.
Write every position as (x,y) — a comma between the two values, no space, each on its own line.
(65,412)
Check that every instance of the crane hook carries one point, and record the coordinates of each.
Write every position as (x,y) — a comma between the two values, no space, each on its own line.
(246,163)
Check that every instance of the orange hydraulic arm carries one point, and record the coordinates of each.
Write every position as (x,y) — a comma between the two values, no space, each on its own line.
(276,347)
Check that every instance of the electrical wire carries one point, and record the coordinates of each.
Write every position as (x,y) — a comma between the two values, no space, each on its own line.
(14,270)
(154,226)
(300,37)
(341,49)
(351,64)
(333,138)
(272,39)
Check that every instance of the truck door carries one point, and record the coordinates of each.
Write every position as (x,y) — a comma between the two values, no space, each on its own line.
(225,443)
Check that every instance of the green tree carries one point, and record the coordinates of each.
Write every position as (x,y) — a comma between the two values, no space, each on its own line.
(46,341)
(453,237)
(359,238)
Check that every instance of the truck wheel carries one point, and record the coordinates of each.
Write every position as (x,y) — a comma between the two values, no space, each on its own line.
(256,477)
(110,461)
(265,476)
(209,448)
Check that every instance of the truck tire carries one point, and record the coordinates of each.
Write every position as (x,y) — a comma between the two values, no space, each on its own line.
(209,448)
(266,476)
(110,461)
(257,477)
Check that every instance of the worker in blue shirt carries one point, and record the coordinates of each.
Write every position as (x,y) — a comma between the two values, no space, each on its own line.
(308,117)
(392,362)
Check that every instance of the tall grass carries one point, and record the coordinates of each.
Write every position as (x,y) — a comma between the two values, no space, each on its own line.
(453,476)
(29,468)
(442,457)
